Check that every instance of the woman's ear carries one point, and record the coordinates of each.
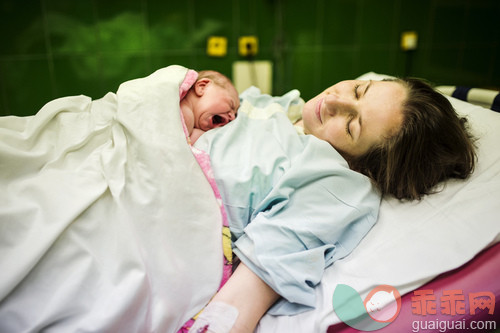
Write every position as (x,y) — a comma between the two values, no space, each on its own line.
(201,85)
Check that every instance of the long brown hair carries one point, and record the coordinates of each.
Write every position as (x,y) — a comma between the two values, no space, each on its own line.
(433,144)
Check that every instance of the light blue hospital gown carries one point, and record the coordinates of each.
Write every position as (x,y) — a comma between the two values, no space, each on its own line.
(293,205)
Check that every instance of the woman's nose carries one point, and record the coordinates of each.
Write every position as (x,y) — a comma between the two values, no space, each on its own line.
(338,105)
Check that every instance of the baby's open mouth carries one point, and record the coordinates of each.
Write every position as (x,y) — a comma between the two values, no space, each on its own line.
(218,120)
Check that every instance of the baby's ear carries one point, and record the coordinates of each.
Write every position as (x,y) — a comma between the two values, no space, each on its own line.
(201,85)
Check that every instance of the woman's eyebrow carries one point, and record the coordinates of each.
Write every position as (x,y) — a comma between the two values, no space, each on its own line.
(360,118)
(367,87)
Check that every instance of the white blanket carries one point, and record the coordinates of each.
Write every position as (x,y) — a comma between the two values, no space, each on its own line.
(107,222)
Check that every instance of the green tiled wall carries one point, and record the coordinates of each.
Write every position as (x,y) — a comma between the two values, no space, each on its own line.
(54,48)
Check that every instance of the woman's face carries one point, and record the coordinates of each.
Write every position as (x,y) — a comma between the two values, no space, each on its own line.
(353,116)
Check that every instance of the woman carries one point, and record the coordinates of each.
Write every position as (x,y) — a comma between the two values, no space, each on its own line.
(416,143)
(402,134)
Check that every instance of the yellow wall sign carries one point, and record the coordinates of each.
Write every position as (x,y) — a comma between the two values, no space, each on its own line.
(217,46)
(248,46)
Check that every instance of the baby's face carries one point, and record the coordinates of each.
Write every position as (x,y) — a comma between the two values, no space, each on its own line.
(217,107)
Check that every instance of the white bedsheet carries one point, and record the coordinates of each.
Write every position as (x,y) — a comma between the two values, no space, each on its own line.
(107,222)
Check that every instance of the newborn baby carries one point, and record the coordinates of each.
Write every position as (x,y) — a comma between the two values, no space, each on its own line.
(211,102)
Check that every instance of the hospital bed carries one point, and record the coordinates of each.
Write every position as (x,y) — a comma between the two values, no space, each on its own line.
(108,223)
(447,241)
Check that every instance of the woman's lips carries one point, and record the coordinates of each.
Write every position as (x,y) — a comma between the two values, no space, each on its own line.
(318,109)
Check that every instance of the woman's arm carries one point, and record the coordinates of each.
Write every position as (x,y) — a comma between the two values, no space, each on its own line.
(249,295)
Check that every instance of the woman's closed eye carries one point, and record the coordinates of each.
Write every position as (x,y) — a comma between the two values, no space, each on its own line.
(356,94)
(348,124)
